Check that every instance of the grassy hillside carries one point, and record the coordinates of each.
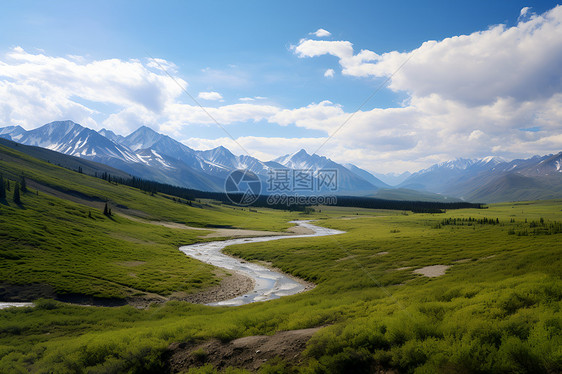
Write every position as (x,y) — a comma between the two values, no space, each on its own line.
(130,201)
(57,243)
(496,308)
(515,187)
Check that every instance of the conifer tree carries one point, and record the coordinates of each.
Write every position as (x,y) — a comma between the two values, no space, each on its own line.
(7,185)
(17,199)
(23,184)
(105,210)
(2,188)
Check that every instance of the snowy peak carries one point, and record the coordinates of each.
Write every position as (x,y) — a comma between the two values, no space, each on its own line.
(348,180)
(111,135)
(73,139)
(219,155)
(53,135)
(460,164)
(303,160)
(12,132)
(144,137)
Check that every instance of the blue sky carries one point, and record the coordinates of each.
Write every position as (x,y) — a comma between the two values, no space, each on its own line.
(90,62)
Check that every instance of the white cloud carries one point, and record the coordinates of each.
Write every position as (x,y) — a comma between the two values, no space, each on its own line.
(252,98)
(469,95)
(321,33)
(211,96)
(163,65)
(475,135)
(518,62)
(329,73)
(322,116)
(524,11)
(525,14)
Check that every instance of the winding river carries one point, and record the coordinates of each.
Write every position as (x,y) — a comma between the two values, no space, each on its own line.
(269,284)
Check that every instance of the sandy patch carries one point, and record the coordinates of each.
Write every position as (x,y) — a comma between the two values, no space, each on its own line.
(488,257)
(231,286)
(464,260)
(240,233)
(432,271)
(300,230)
(403,268)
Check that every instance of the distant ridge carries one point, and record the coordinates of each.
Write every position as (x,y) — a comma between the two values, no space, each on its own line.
(153,156)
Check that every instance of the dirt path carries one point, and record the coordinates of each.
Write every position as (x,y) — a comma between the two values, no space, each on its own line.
(248,353)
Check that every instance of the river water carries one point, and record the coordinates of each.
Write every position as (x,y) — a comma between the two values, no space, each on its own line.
(269,284)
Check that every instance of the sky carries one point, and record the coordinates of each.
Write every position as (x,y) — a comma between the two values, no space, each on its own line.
(390,86)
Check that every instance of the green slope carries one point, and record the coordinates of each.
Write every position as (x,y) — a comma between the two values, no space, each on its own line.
(516,187)
(497,309)
(57,243)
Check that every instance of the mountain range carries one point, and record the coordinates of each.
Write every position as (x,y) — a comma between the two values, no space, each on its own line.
(150,155)
(147,154)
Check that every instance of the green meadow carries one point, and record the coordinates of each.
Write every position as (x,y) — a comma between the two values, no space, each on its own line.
(497,308)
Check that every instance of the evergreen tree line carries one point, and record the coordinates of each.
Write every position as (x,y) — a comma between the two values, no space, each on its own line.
(538,228)
(19,187)
(153,187)
(469,221)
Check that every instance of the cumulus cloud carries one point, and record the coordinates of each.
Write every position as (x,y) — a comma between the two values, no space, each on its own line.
(321,33)
(211,96)
(467,94)
(521,62)
(525,14)
(38,88)
(524,11)
(329,73)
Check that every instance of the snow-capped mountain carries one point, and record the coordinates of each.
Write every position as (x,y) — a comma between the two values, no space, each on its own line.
(12,133)
(72,139)
(144,138)
(147,154)
(348,181)
(440,177)
(221,161)
(111,135)
(492,179)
